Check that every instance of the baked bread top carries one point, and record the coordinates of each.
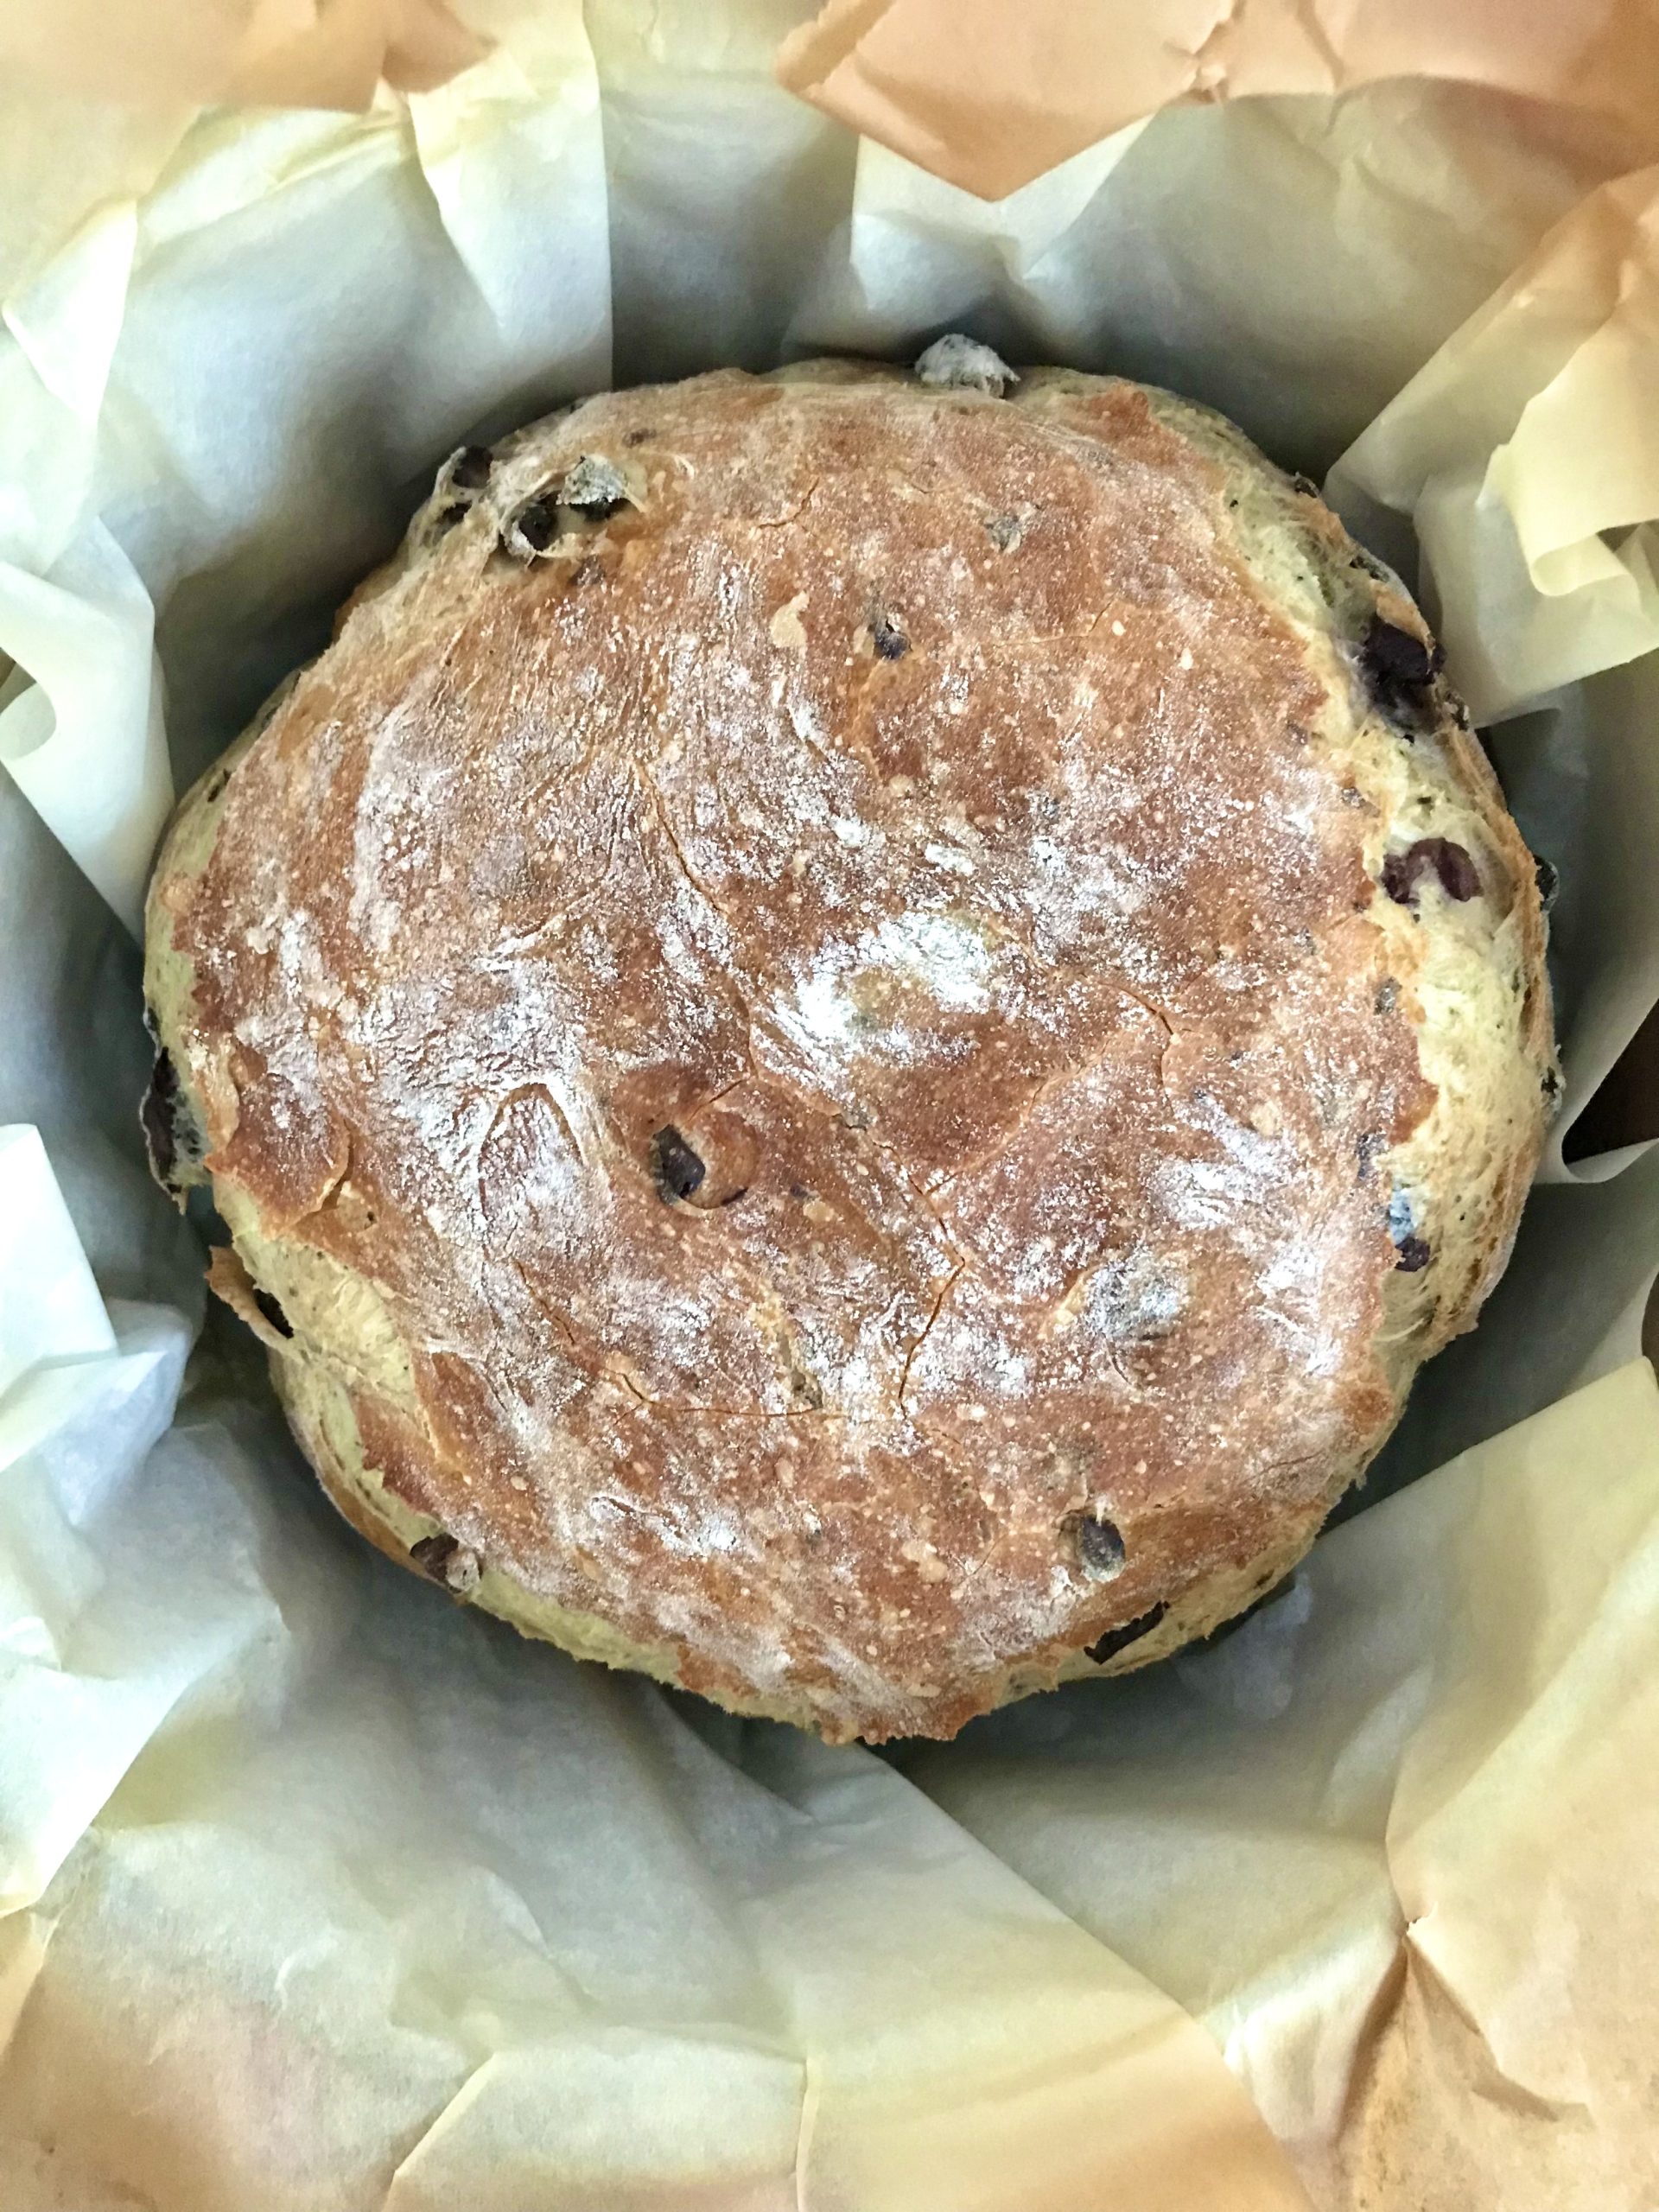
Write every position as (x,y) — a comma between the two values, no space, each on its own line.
(857,1030)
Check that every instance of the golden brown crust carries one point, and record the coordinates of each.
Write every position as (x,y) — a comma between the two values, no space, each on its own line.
(948,831)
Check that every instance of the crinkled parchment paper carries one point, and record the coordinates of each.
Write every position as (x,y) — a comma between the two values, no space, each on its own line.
(319,1895)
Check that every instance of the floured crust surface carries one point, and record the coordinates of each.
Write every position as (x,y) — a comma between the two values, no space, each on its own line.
(854,1034)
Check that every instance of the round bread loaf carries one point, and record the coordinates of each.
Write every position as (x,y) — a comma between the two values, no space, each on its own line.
(856,1032)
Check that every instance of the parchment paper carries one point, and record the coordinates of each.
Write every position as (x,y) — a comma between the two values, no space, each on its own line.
(991,93)
(319,1894)
(263,52)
